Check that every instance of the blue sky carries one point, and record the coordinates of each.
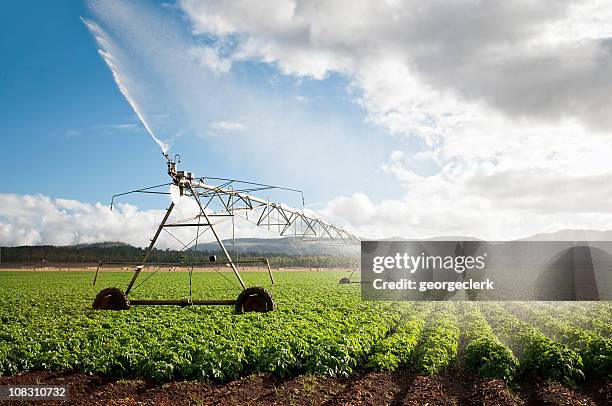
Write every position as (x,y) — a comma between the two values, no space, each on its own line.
(54,83)
(71,134)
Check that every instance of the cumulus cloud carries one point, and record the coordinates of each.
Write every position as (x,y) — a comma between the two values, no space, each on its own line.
(485,199)
(38,219)
(511,99)
(461,216)
(41,220)
(544,59)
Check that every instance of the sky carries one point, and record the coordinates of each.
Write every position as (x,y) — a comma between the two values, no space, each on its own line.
(398,118)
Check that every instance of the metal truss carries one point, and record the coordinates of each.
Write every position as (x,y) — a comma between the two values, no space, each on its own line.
(219,202)
(232,197)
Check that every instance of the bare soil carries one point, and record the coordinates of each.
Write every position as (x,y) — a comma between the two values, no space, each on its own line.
(371,388)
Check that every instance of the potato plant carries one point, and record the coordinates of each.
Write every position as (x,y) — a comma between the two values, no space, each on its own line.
(318,328)
(398,348)
(484,353)
(536,352)
(440,340)
(597,318)
(596,351)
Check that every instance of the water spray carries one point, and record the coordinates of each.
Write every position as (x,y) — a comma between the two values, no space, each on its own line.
(103,42)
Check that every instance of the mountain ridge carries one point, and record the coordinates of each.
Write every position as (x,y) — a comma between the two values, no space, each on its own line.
(297,246)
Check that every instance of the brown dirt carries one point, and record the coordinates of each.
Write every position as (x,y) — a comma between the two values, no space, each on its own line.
(538,392)
(371,388)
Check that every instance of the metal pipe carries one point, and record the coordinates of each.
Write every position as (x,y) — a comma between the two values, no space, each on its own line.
(202,264)
(96,276)
(180,302)
(188,225)
(212,228)
(268,206)
(141,190)
(269,271)
(138,268)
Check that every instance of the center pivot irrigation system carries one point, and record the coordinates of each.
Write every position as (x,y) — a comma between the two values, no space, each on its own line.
(216,203)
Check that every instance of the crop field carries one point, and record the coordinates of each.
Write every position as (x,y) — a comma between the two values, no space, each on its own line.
(320,331)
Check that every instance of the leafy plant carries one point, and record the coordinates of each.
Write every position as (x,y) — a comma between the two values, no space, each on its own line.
(484,353)
(439,342)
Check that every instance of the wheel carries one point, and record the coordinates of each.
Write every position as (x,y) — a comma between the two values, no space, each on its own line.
(111,299)
(344,281)
(254,299)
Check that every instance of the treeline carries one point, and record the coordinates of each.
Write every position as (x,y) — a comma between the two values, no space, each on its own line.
(40,255)
(313,261)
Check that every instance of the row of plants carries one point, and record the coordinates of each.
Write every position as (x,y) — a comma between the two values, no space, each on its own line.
(595,350)
(599,311)
(439,341)
(484,352)
(398,348)
(536,352)
(592,316)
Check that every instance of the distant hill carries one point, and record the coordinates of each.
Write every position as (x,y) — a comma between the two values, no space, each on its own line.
(572,235)
(282,252)
(561,235)
(283,246)
(246,247)
(105,244)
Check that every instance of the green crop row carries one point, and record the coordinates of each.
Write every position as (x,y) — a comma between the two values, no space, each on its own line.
(536,352)
(484,353)
(596,351)
(598,310)
(439,341)
(398,348)
(588,317)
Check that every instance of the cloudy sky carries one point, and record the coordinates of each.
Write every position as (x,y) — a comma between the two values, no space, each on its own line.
(397,118)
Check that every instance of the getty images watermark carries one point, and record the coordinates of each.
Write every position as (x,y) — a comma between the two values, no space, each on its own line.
(481,270)
(423,263)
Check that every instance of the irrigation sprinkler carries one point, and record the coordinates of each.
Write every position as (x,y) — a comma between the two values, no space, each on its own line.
(348,280)
(232,198)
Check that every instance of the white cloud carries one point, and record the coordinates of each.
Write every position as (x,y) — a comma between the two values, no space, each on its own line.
(209,56)
(468,216)
(228,126)
(544,59)
(40,220)
(534,187)
(511,99)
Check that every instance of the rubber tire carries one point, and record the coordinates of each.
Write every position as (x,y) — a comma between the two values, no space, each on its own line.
(111,299)
(344,281)
(255,299)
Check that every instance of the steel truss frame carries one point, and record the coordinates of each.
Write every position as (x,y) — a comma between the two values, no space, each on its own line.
(232,202)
